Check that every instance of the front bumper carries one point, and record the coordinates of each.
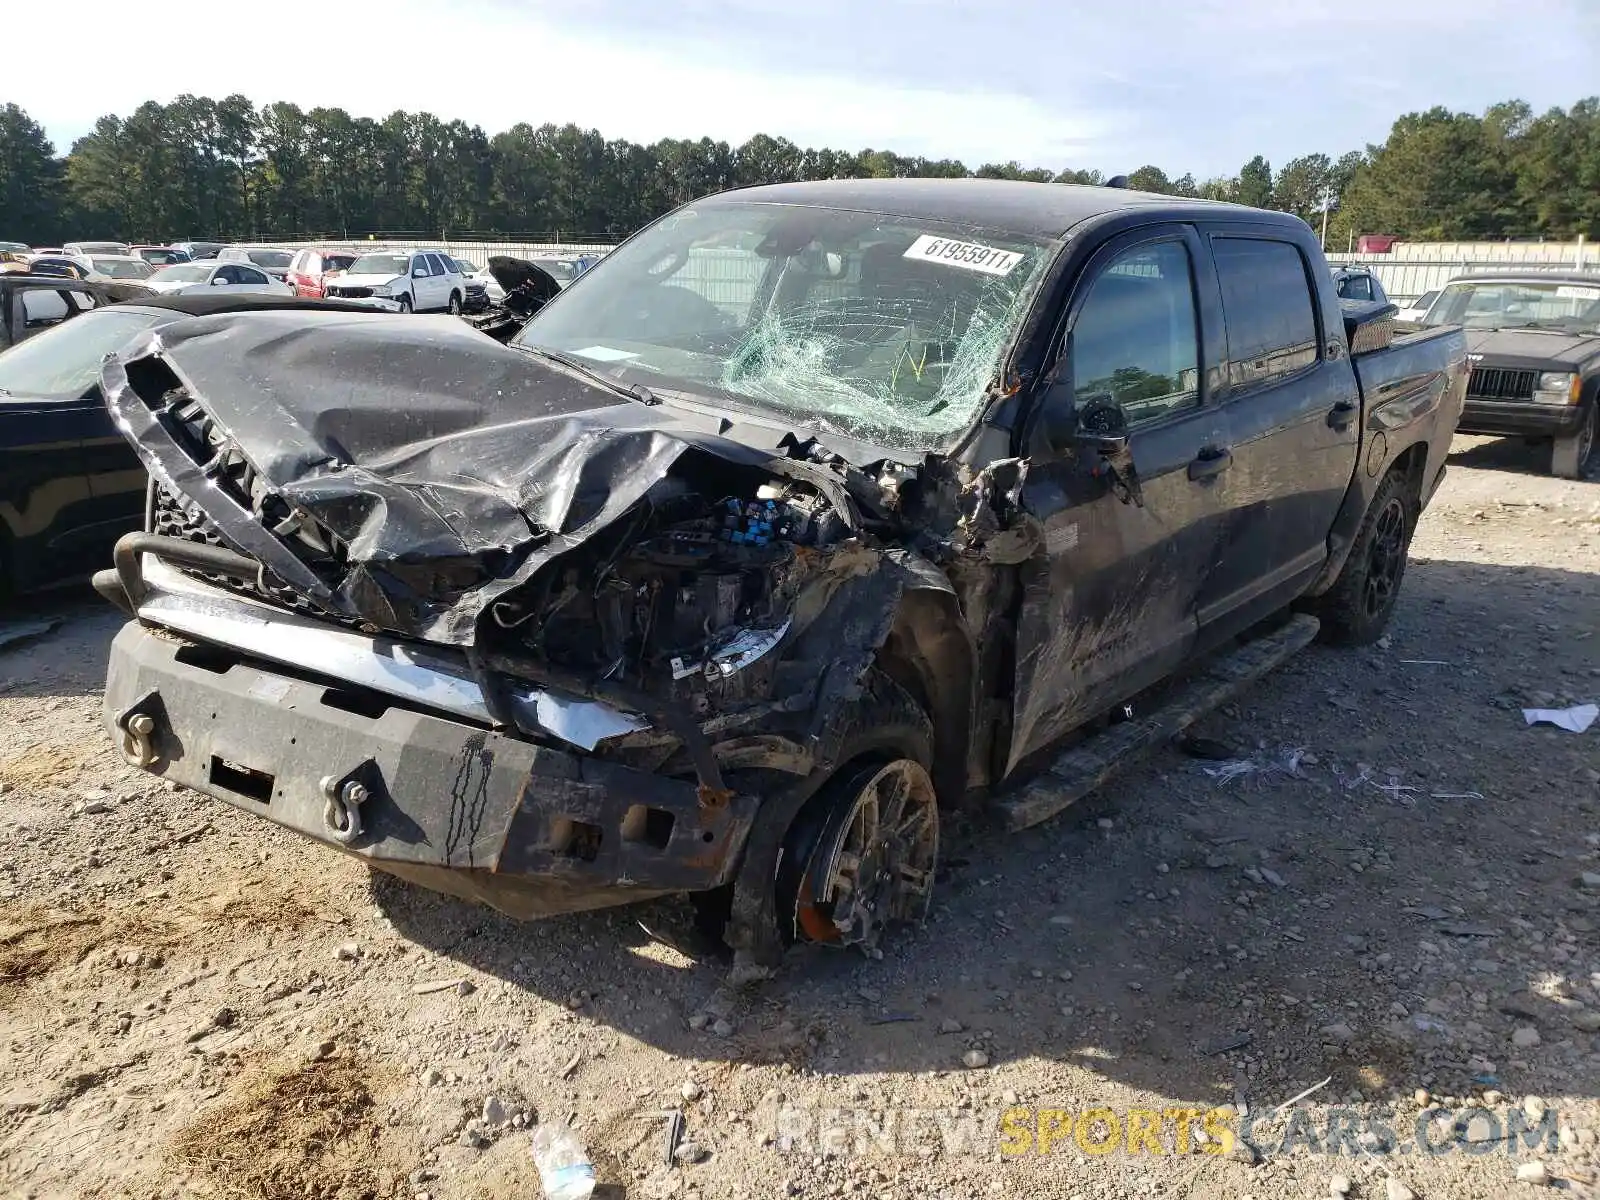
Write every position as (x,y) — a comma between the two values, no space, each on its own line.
(381,303)
(1510,418)
(445,802)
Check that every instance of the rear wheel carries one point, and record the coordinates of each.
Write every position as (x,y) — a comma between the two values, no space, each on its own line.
(455,304)
(1357,608)
(1570,454)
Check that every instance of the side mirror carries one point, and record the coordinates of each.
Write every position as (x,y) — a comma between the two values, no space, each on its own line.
(218,281)
(420,273)
(1102,427)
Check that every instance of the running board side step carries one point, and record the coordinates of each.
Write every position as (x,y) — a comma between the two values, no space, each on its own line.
(1093,763)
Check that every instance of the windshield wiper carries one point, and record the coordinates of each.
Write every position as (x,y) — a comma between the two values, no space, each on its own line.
(631,391)
(1546,327)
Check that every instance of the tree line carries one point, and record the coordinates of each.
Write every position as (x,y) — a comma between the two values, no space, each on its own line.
(224,169)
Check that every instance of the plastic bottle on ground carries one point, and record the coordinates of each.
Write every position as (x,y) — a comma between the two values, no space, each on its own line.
(564,1167)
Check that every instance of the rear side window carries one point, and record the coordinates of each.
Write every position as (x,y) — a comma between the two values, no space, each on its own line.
(1266,302)
(1133,340)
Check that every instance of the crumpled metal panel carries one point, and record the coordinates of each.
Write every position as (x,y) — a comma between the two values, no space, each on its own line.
(451,468)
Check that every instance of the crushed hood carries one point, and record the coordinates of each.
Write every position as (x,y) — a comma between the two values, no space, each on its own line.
(439,468)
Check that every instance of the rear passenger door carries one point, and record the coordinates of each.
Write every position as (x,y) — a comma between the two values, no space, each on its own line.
(1113,607)
(1294,411)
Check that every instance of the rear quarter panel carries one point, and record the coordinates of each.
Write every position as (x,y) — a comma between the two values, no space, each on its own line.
(1411,397)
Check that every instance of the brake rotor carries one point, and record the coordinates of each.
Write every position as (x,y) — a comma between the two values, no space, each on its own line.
(872,864)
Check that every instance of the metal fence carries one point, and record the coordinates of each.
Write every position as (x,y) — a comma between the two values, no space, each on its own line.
(1413,268)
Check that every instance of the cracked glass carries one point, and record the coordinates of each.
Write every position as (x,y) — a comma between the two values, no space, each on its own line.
(886,329)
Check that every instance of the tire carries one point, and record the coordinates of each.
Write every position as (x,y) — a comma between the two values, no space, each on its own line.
(758,915)
(455,304)
(405,304)
(1569,455)
(1357,608)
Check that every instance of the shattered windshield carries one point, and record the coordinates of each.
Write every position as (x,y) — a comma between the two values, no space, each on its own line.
(1573,307)
(886,329)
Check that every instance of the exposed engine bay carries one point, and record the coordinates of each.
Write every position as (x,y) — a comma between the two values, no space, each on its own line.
(527,288)
(684,596)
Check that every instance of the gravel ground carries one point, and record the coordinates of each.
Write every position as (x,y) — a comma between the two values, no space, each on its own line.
(1385,888)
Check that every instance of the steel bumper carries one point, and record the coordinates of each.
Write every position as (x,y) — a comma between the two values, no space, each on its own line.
(450,805)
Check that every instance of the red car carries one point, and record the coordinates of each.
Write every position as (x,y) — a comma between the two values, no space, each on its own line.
(314,264)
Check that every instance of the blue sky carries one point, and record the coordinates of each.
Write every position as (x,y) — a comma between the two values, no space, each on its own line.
(1190,85)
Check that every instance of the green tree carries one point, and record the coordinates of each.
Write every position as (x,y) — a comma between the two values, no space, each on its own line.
(1150,179)
(30,181)
(1255,183)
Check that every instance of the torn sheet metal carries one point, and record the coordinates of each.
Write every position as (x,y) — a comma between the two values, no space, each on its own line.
(402,471)
(734,655)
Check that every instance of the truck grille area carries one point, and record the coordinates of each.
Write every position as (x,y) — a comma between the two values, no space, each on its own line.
(349,293)
(174,517)
(1501,383)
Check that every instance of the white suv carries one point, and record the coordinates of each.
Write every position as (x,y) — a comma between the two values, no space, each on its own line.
(402,281)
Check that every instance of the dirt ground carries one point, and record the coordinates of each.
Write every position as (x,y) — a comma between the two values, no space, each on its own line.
(1385,888)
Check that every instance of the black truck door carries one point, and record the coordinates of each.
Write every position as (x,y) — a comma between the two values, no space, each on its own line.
(1111,606)
(1293,408)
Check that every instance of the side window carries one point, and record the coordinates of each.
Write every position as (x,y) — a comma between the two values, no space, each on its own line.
(1266,301)
(249,275)
(419,262)
(228,274)
(41,307)
(1134,338)
(436,265)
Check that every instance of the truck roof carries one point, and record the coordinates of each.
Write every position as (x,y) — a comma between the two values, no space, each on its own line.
(1038,209)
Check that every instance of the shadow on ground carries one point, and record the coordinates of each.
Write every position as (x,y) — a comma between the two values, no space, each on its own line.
(1514,454)
(1379,912)
(66,659)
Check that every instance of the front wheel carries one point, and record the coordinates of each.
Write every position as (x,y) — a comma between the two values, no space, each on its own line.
(1570,454)
(405,304)
(861,858)
(1357,608)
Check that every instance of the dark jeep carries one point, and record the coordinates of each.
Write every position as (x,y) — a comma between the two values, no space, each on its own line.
(1534,343)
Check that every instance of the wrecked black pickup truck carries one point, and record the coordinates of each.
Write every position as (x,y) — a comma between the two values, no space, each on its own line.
(810,512)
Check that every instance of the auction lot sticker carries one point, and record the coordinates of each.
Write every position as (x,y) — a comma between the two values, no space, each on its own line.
(970,256)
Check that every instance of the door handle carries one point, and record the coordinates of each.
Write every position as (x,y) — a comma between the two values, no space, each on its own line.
(1210,463)
(1342,415)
